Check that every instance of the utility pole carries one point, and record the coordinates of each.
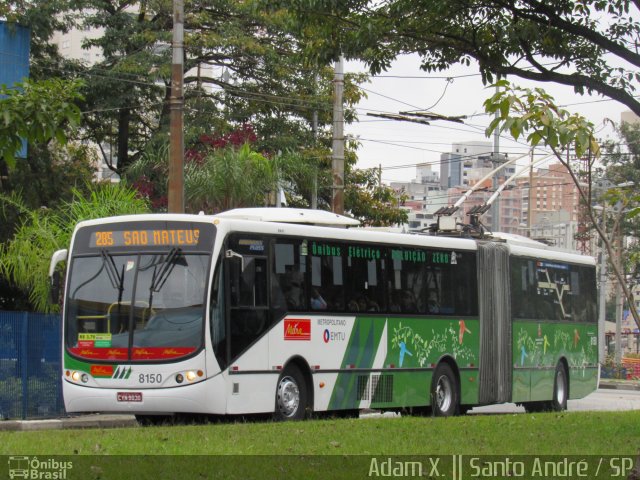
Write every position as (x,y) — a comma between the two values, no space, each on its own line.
(602,301)
(314,127)
(176,101)
(619,297)
(530,210)
(337,163)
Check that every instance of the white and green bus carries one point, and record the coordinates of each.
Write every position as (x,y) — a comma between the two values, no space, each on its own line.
(287,311)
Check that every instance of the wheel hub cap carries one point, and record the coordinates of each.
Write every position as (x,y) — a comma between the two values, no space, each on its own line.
(443,394)
(288,397)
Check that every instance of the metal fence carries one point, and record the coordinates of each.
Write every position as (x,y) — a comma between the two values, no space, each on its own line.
(30,380)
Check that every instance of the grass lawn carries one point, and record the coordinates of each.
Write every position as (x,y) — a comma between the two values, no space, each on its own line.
(443,448)
(576,433)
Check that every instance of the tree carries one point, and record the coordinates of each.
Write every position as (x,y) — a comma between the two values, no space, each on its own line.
(620,182)
(230,177)
(371,202)
(24,261)
(590,45)
(37,111)
(533,112)
(221,172)
(242,65)
(224,172)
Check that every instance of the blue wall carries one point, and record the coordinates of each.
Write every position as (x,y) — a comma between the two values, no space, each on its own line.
(30,365)
(14,58)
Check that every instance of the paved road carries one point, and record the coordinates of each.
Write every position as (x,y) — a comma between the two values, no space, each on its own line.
(600,400)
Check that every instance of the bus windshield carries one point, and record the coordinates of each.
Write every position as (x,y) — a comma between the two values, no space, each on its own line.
(136,306)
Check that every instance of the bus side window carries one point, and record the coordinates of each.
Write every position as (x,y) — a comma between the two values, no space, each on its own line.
(326,275)
(288,275)
(364,275)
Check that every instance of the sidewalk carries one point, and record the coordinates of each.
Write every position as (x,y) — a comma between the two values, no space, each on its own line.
(84,421)
(613,384)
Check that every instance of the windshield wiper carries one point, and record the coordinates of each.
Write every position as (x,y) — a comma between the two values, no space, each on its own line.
(116,279)
(160,277)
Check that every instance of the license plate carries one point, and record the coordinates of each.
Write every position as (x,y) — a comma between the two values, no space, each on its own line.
(129,396)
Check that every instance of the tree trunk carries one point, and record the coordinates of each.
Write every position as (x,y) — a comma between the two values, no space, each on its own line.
(123,140)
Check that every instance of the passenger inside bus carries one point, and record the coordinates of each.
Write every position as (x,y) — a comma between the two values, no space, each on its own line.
(317,302)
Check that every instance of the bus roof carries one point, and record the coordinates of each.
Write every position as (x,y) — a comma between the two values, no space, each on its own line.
(291,215)
(295,221)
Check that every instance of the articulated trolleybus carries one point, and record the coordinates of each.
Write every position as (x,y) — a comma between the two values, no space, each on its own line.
(278,310)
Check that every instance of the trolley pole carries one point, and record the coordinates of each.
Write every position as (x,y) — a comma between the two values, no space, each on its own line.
(495,208)
(337,164)
(176,101)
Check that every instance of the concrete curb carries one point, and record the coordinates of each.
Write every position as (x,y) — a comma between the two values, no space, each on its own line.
(613,385)
(123,421)
(88,421)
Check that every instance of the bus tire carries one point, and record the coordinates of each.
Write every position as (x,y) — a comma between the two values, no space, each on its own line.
(291,395)
(444,392)
(560,389)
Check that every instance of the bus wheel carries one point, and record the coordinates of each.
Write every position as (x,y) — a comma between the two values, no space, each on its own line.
(444,392)
(291,395)
(560,389)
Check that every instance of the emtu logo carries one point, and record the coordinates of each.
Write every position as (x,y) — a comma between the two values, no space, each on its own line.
(297,329)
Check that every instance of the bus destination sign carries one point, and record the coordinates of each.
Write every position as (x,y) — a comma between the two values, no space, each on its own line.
(145,238)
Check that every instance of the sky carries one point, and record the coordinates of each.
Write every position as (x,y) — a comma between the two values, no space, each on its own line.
(458,91)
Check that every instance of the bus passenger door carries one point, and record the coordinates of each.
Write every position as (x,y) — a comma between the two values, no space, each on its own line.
(247,296)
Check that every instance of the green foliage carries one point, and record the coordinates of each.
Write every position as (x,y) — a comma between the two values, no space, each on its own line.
(49,173)
(37,111)
(25,259)
(620,179)
(586,44)
(533,112)
(229,178)
(300,172)
(371,202)
(249,69)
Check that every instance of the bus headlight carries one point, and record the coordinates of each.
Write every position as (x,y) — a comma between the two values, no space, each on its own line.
(191,375)
(75,376)
(179,378)
(84,378)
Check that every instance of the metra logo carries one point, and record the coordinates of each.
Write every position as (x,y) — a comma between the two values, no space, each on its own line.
(101,370)
(297,329)
(122,373)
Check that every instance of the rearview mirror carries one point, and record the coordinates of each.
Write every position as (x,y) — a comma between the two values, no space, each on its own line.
(54,292)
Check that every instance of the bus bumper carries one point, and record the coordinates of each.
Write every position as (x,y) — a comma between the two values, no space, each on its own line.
(207,396)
